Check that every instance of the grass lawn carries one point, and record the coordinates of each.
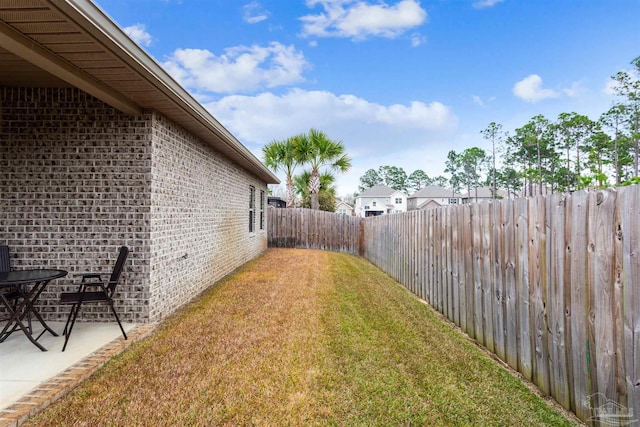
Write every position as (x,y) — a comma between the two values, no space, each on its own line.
(298,338)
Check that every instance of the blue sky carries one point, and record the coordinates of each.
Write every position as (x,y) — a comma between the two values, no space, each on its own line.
(399,82)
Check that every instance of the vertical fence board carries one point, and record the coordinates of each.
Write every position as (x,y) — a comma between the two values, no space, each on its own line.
(410,236)
(577,249)
(522,288)
(429,260)
(462,319)
(437,259)
(630,229)
(538,292)
(476,243)
(446,264)
(497,280)
(558,374)
(468,272)
(423,255)
(455,260)
(511,319)
(602,252)
(486,281)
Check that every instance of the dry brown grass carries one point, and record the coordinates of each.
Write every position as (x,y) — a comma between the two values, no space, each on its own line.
(302,338)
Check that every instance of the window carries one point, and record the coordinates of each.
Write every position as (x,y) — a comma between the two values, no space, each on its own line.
(261,210)
(398,200)
(374,203)
(252,207)
(453,201)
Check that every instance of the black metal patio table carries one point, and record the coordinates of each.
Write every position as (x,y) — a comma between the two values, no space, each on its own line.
(30,284)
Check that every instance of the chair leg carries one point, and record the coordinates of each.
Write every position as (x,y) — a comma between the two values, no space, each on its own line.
(113,310)
(66,325)
(73,315)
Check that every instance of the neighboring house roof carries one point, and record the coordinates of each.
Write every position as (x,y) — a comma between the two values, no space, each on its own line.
(434,192)
(379,191)
(429,204)
(73,43)
(341,203)
(380,205)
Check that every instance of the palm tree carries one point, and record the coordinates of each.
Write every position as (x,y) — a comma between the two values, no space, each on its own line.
(281,156)
(326,194)
(318,151)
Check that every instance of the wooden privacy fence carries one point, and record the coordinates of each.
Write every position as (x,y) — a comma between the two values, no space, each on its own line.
(550,285)
(312,229)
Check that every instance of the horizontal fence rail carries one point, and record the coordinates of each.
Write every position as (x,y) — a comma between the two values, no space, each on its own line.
(550,285)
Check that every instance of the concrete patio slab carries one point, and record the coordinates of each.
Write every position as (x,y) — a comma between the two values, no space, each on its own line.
(31,379)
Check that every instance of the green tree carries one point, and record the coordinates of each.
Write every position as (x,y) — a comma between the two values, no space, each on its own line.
(474,162)
(318,151)
(453,166)
(370,178)
(598,160)
(326,193)
(394,177)
(530,148)
(391,176)
(440,181)
(628,86)
(573,131)
(281,156)
(418,179)
(616,121)
(466,168)
(508,178)
(493,133)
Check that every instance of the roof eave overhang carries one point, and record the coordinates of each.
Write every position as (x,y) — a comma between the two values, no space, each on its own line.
(16,43)
(92,20)
(111,36)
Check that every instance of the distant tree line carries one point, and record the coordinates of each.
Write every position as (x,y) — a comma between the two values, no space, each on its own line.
(395,177)
(569,153)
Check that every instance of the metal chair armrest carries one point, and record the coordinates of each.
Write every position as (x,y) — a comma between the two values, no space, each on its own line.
(90,275)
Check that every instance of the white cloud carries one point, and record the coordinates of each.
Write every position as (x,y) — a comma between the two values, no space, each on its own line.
(359,20)
(417,39)
(410,135)
(530,89)
(139,34)
(266,116)
(575,90)
(239,69)
(483,4)
(478,101)
(253,13)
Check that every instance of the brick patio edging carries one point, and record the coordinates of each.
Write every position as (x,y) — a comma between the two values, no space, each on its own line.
(62,384)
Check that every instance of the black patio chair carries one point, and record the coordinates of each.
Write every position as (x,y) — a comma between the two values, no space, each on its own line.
(5,264)
(11,294)
(104,294)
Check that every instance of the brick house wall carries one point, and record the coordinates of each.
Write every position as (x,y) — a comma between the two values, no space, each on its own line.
(199,217)
(78,179)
